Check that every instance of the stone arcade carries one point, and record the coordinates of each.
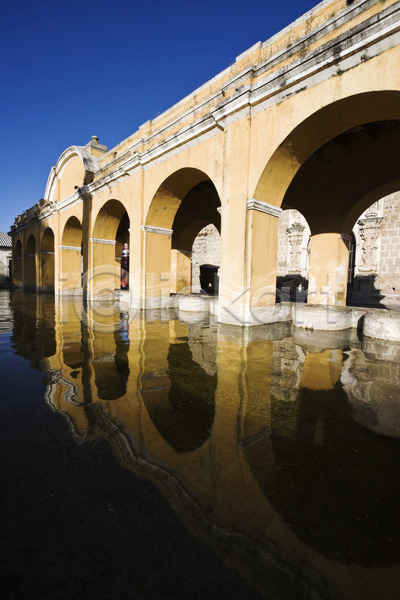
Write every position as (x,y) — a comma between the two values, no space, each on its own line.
(308,120)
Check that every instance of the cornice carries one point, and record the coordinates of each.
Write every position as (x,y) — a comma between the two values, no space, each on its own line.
(161,230)
(263,207)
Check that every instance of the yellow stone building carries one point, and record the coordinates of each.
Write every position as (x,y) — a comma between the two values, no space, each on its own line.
(308,120)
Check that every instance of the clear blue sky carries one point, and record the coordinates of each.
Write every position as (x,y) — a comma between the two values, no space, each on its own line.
(79,68)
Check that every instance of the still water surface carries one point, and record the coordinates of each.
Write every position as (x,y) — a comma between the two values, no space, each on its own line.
(156,458)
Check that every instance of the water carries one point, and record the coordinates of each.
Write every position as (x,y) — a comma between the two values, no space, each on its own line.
(163,459)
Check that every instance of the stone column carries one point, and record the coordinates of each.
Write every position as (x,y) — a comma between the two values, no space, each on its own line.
(329,257)
(105,276)
(157,266)
(262,244)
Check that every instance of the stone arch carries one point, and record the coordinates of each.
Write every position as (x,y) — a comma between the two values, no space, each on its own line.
(17,264)
(74,168)
(184,203)
(328,167)
(110,231)
(47,260)
(317,130)
(71,256)
(376,280)
(30,263)
(110,364)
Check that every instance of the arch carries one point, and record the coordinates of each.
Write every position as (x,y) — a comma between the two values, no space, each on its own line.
(314,132)
(17,264)
(376,280)
(110,363)
(170,194)
(337,183)
(30,263)
(326,168)
(80,173)
(47,260)
(111,231)
(182,408)
(184,204)
(71,256)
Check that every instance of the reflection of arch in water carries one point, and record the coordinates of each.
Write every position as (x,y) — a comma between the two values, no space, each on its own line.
(319,470)
(34,327)
(111,369)
(183,412)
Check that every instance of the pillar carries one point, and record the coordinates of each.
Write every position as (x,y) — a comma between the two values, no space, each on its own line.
(329,257)
(157,266)
(105,277)
(181,267)
(70,276)
(262,247)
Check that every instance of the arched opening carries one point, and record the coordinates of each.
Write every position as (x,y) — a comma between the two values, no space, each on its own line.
(71,256)
(375,279)
(333,185)
(17,264)
(110,233)
(178,393)
(30,263)
(47,260)
(184,204)
(111,364)
(330,168)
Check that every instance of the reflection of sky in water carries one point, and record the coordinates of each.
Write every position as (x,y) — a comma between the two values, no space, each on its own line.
(279,450)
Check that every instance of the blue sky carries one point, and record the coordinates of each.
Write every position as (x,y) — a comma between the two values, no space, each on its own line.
(80,68)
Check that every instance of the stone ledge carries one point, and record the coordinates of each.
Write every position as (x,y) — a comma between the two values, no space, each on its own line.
(384,326)
(322,318)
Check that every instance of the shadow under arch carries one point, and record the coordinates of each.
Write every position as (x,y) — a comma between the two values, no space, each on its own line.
(47,260)
(71,255)
(171,192)
(337,183)
(110,232)
(315,131)
(183,204)
(30,264)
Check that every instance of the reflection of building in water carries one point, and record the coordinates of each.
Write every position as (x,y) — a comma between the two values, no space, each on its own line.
(372,388)
(321,371)
(270,484)
(287,366)
(203,346)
